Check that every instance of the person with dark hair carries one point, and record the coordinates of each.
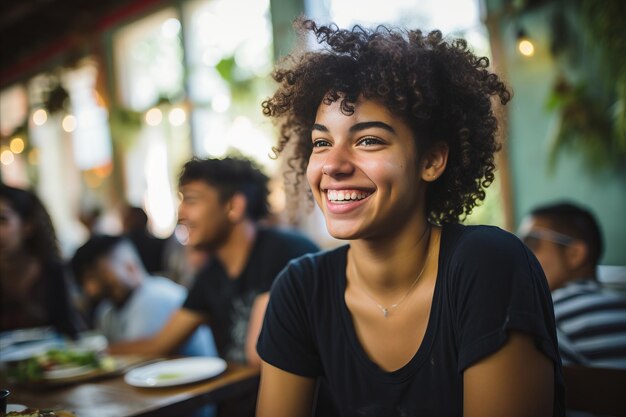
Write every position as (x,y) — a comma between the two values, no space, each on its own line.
(395,132)
(35,292)
(591,320)
(151,249)
(130,303)
(223,201)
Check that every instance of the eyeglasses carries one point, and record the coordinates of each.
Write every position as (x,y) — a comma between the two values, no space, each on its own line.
(533,236)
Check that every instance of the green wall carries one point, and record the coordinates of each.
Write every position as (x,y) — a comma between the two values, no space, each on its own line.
(530,127)
(283,13)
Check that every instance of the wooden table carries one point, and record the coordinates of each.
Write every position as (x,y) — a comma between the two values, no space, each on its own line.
(112,397)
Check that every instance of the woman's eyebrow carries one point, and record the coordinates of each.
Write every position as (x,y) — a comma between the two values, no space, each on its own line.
(358,126)
(366,125)
(322,128)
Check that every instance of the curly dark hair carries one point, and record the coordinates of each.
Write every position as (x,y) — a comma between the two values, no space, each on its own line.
(440,88)
(231,175)
(41,240)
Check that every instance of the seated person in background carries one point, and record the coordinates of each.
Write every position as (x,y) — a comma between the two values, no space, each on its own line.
(590,319)
(222,202)
(34,290)
(149,247)
(182,261)
(131,304)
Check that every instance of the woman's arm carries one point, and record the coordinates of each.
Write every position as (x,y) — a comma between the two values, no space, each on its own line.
(255,323)
(283,394)
(515,381)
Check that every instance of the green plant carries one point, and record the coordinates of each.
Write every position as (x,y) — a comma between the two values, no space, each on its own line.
(589,44)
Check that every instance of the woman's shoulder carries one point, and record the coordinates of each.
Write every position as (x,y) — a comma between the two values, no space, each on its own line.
(479,237)
(482,244)
(314,262)
(314,269)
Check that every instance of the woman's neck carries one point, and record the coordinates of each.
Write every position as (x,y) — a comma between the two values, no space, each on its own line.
(386,264)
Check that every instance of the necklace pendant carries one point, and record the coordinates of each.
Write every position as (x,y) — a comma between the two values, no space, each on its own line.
(385,312)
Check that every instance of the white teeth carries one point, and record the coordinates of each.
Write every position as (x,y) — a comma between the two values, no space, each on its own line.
(335,196)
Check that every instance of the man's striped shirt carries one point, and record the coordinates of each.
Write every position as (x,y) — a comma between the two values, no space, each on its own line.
(591,324)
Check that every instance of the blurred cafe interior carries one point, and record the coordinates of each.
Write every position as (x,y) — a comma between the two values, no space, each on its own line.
(102,102)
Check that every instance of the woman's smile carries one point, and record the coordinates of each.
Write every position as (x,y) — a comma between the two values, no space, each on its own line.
(342,201)
(363,170)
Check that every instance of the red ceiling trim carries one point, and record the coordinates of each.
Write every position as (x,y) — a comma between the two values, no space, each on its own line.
(29,65)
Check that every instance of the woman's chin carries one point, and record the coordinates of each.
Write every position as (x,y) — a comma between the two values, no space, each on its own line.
(343,232)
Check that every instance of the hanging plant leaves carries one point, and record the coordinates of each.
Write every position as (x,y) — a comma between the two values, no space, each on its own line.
(226,68)
(589,45)
(125,125)
(238,79)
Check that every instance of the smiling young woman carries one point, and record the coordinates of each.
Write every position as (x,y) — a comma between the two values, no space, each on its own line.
(418,315)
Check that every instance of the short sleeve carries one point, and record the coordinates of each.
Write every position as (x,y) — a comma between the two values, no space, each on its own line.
(498,286)
(286,340)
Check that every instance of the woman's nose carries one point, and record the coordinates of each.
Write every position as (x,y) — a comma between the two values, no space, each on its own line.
(338,163)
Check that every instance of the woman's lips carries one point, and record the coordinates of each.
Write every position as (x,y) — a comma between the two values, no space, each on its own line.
(340,201)
(337,196)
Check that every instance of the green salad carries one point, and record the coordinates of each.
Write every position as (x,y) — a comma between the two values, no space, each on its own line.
(33,369)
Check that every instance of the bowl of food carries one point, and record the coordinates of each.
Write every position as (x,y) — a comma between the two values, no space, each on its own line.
(57,364)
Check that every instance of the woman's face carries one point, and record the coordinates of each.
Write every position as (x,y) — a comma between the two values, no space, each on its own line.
(11,230)
(363,171)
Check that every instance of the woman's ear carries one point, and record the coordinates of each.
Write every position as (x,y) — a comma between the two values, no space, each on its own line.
(434,161)
(238,204)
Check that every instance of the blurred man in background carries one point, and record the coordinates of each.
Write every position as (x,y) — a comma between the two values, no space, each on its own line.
(223,203)
(591,320)
(130,303)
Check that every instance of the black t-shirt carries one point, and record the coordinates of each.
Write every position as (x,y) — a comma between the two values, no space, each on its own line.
(487,284)
(227,302)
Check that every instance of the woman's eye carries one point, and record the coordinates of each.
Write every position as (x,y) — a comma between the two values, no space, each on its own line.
(319,143)
(370,141)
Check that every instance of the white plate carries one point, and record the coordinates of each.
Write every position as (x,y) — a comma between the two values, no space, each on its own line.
(175,372)
(15,407)
(27,350)
(69,372)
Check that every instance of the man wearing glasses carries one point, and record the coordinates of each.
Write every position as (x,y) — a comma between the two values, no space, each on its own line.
(591,320)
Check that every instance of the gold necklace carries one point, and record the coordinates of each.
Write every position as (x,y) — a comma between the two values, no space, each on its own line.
(385,310)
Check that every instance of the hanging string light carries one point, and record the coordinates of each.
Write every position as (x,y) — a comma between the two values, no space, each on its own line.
(524,44)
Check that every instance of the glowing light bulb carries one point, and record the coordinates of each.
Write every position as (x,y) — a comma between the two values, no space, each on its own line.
(526,47)
(69,123)
(17,145)
(40,116)
(154,116)
(177,116)
(6,157)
